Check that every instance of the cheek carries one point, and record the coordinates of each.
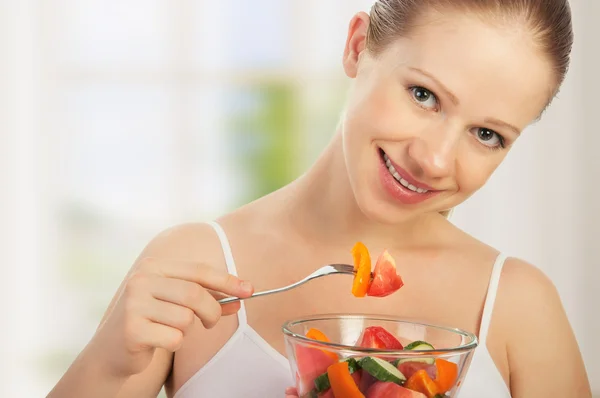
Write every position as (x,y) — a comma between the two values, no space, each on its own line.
(385,112)
(474,169)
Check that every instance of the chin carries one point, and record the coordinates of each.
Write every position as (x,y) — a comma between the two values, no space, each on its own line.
(380,211)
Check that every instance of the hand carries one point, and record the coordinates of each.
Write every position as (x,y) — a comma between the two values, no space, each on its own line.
(159,302)
(291,392)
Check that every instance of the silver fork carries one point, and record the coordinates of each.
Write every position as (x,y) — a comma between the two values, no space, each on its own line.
(329,269)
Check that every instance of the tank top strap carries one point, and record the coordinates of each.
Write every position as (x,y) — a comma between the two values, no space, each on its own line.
(230,264)
(490,299)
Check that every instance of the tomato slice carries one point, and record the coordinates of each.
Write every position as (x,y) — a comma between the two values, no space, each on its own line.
(316,334)
(311,363)
(362,268)
(379,338)
(385,278)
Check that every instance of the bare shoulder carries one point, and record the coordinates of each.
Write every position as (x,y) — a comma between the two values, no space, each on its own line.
(192,242)
(524,281)
(540,342)
(530,330)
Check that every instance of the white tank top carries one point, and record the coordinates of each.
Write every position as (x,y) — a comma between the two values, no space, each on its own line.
(247,366)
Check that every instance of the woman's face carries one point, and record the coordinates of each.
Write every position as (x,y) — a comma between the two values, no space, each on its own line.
(432,116)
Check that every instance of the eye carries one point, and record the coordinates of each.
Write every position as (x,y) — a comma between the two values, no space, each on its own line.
(489,138)
(424,97)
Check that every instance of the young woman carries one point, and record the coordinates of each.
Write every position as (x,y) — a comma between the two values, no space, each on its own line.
(442,89)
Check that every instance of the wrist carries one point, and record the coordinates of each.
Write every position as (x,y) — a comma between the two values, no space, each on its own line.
(90,376)
(95,363)
(97,360)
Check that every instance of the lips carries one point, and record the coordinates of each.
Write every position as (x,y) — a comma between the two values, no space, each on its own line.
(400,184)
(404,178)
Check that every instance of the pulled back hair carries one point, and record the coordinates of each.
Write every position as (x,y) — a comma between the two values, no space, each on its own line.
(549,22)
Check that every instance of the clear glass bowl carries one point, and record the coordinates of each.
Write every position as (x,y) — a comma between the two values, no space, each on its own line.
(445,363)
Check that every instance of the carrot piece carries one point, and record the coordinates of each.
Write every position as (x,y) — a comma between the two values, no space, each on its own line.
(316,334)
(421,382)
(362,267)
(342,383)
(447,372)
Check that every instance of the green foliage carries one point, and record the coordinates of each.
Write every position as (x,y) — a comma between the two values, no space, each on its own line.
(265,134)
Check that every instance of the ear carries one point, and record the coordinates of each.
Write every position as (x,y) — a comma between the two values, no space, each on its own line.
(355,43)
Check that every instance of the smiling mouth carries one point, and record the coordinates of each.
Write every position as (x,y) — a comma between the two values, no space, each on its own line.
(398,177)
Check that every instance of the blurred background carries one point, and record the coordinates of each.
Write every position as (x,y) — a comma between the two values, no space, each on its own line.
(122,118)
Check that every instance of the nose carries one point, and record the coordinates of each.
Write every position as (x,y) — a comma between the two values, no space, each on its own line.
(435,153)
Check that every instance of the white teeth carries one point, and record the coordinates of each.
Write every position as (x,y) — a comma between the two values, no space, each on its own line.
(401,180)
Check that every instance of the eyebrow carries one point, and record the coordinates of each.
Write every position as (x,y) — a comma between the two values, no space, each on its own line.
(500,123)
(455,101)
(449,93)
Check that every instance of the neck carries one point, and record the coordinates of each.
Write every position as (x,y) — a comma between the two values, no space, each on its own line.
(321,205)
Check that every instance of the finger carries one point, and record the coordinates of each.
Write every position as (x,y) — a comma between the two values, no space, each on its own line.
(291,391)
(204,275)
(162,336)
(169,314)
(189,295)
(230,308)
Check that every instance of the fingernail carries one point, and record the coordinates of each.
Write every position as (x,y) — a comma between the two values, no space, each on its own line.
(246,286)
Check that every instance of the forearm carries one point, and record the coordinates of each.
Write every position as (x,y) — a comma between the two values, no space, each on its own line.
(87,378)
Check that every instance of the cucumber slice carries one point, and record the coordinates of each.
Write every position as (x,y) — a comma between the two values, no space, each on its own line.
(322,382)
(352,365)
(428,361)
(381,370)
(420,346)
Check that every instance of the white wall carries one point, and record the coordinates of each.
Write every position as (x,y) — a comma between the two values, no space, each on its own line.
(589,220)
(20,197)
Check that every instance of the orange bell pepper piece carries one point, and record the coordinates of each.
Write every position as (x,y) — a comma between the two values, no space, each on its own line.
(447,372)
(316,334)
(421,382)
(362,268)
(342,383)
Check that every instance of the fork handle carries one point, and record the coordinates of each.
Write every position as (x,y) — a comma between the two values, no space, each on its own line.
(228,300)
(323,271)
